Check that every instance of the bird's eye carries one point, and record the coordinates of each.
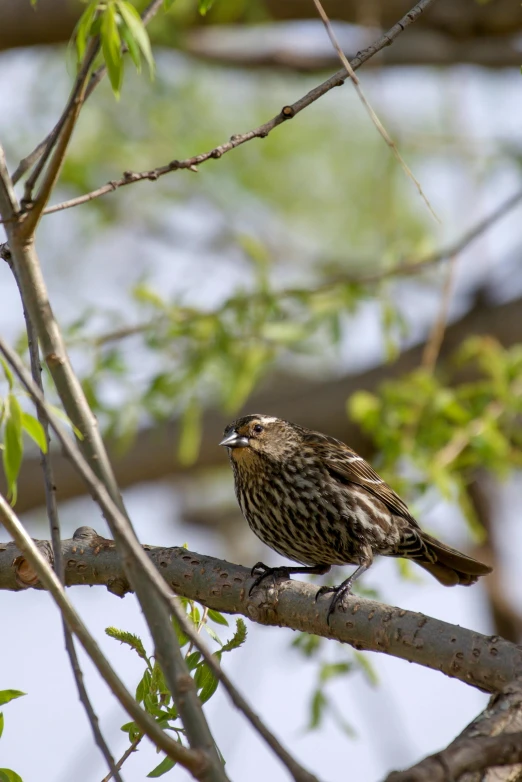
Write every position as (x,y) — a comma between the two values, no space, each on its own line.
(258,429)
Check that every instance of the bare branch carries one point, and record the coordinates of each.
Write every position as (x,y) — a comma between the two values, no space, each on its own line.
(192,760)
(126,755)
(287,112)
(486,662)
(371,112)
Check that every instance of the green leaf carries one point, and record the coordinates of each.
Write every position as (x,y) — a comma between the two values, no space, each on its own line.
(158,683)
(8,775)
(212,633)
(167,4)
(238,639)
(182,638)
(206,682)
(137,31)
(143,688)
(330,670)
(363,406)
(192,660)
(13,445)
(35,430)
(216,617)
(204,6)
(367,668)
(84,29)
(130,639)
(317,708)
(59,413)
(162,768)
(111,48)
(8,374)
(10,695)
(1,723)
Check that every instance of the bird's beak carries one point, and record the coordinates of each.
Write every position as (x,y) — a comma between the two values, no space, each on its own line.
(234,440)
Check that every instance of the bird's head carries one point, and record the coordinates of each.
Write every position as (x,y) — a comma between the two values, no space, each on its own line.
(261,435)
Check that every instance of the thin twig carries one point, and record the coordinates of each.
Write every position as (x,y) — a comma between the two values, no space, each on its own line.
(126,755)
(25,164)
(297,771)
(434,341)
(288,112)
(54,522)
(112,512)
(192,760)
(373,116)
(59,141)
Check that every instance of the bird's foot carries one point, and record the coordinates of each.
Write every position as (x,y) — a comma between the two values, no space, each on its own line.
(339,593)
(262,571)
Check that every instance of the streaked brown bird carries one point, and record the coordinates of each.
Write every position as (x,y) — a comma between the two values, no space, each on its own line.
(315,501)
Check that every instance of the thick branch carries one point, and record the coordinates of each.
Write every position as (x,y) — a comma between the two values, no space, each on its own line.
(488,663)
(494,738)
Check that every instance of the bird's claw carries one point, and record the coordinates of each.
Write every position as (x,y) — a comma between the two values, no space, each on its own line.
(262,571)
(338,598)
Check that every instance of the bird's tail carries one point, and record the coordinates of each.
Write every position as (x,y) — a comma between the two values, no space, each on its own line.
(449,566)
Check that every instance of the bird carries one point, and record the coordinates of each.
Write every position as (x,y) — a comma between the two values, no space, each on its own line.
(315,501)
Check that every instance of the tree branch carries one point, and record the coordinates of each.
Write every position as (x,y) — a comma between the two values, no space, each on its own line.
(287,112)
(54,522)
(36,559)
(494,738)
(93,464)
(182,686)
(486,662)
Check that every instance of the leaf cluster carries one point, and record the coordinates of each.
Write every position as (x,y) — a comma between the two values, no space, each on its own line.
(445,426)
(152,691)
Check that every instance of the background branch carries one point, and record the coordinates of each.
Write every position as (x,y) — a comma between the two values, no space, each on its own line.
(316,404)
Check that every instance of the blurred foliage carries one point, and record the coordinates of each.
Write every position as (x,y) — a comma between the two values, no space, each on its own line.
(13,423)
(152,690)
(437,429)
(7,774)
(333,663)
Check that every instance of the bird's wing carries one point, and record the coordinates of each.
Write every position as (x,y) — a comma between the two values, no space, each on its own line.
(347,467)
